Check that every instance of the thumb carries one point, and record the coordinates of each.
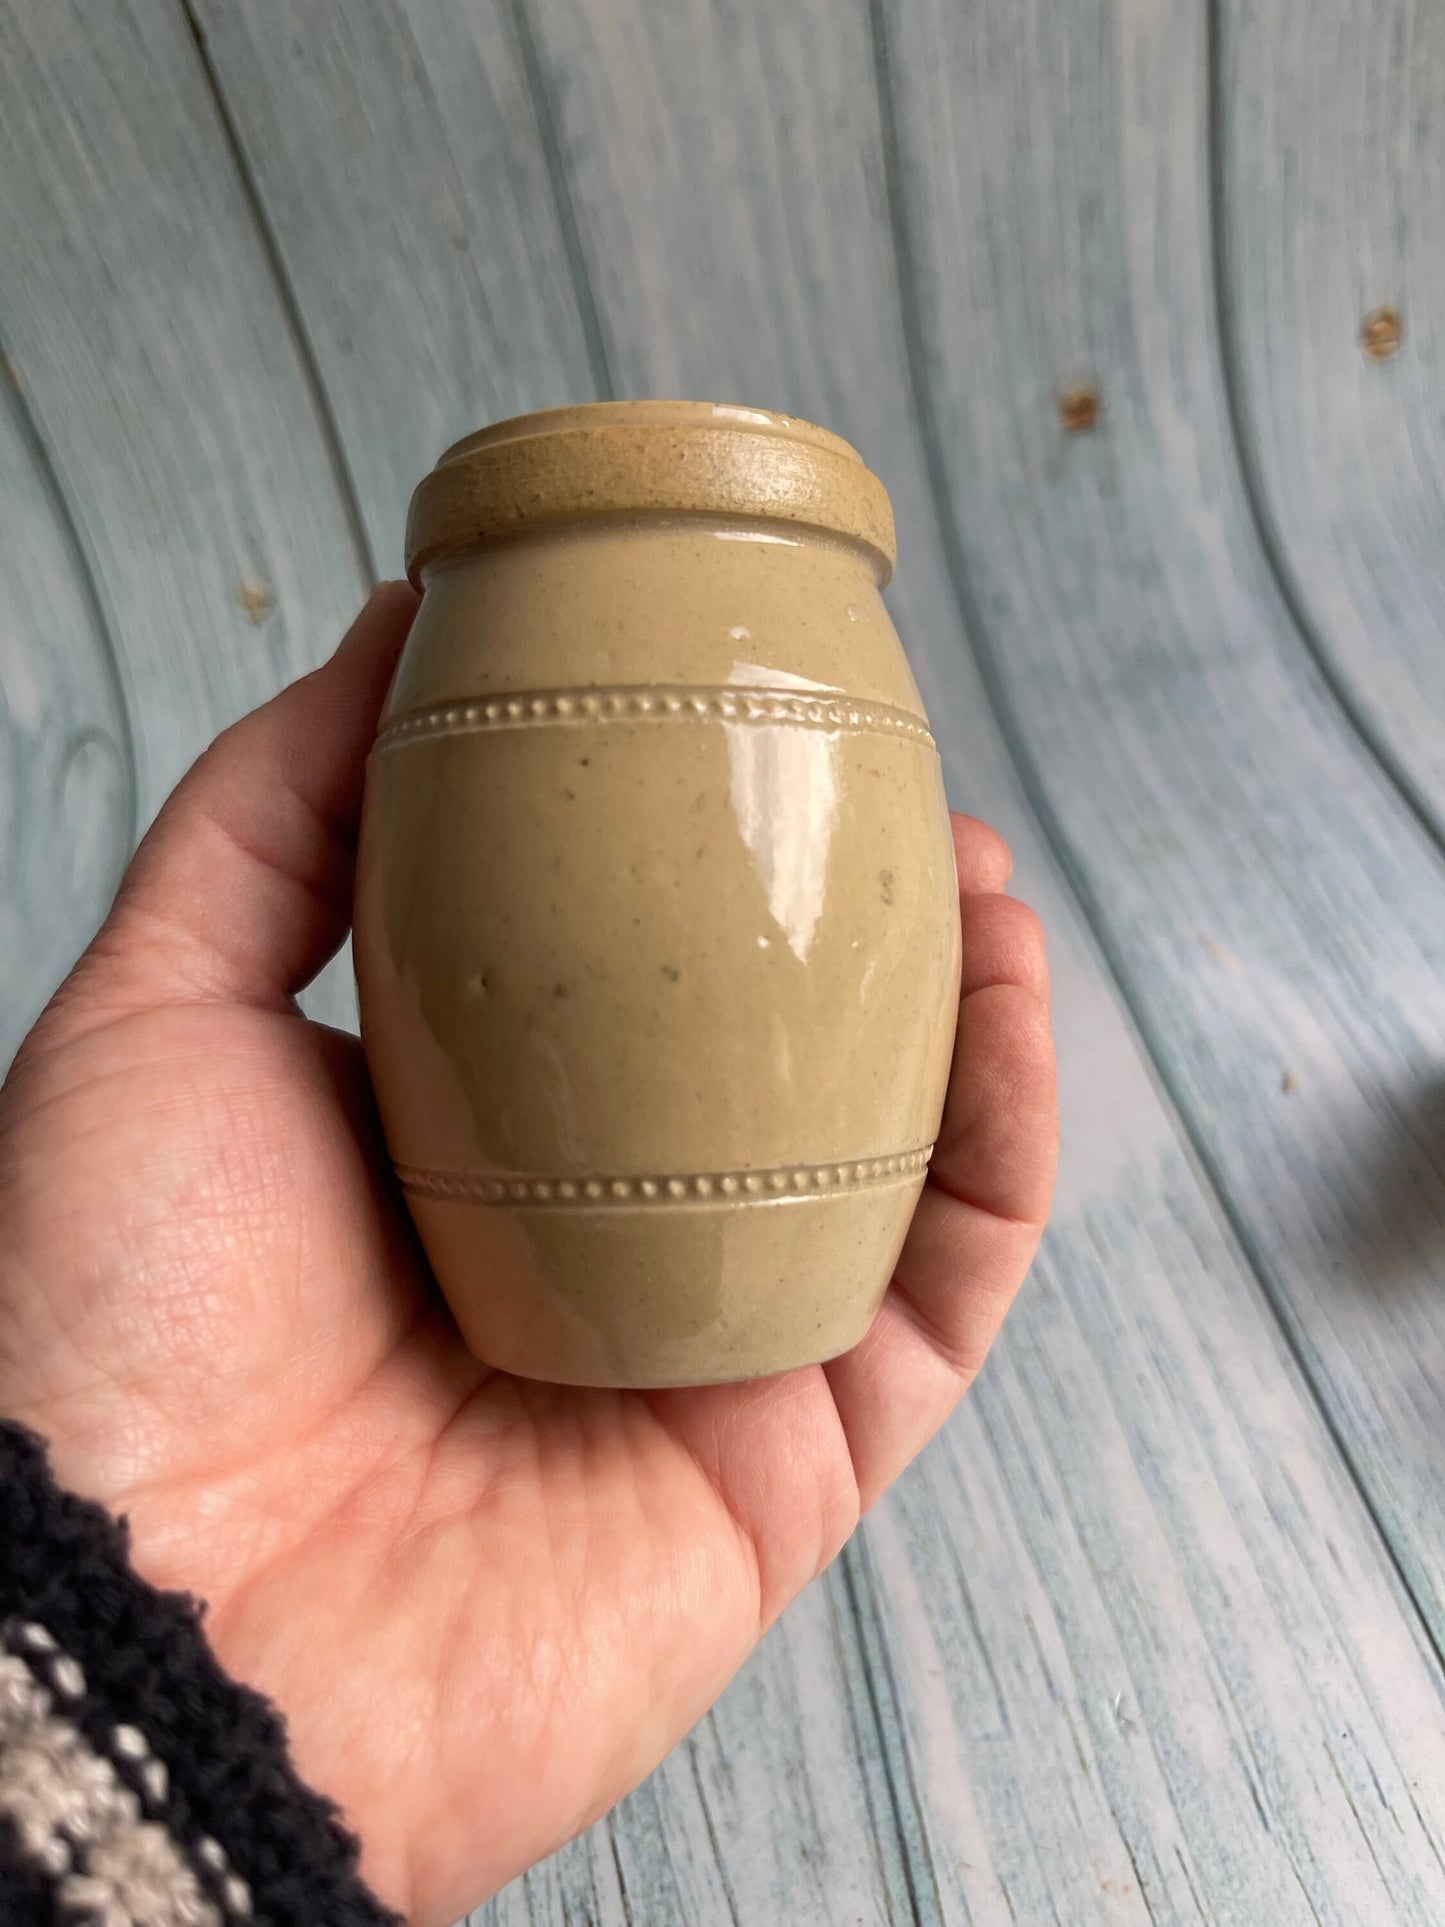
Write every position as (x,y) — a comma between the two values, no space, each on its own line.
(241,890)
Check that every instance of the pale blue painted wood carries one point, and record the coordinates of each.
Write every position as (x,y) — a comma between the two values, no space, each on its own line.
(428,266)
(1126,1646)
(147,333)
(1272,907)
(1331,151)
(67,780)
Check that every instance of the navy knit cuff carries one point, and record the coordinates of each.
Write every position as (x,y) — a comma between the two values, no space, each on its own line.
(139,1783)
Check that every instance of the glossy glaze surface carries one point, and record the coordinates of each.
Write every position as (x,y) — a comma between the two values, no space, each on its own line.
(657,944)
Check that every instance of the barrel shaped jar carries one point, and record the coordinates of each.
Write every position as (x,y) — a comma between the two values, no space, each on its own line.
(656,926)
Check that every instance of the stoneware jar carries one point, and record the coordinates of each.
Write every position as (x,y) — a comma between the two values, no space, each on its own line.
(656,925)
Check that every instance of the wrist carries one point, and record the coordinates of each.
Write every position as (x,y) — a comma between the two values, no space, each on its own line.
(136,1779)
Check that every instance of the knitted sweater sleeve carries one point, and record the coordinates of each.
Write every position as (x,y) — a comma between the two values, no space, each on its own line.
(140,1786)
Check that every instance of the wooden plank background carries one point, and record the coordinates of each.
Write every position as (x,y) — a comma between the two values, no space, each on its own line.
(1152,1633)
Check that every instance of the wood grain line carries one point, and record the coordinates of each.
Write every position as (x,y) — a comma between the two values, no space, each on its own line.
(886,1705)
(588,313)
(286,296)
(89,583)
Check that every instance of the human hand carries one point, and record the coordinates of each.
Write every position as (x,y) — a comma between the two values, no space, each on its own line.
(485,1606)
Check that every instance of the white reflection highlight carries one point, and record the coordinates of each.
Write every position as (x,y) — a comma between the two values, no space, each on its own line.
(784,784)
(757,675)
(729,412)
(758,535)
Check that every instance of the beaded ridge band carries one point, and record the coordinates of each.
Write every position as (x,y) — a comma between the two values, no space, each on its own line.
(527,708)
(774,1185)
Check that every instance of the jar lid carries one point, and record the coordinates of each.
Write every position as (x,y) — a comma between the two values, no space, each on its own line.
(652,458)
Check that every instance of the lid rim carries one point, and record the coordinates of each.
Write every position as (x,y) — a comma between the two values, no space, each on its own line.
(647,459)
(649,413)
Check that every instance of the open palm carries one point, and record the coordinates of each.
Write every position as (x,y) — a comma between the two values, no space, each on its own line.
(486,1606)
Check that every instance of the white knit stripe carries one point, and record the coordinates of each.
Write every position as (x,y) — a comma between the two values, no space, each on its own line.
(76,1819)
(136,1878)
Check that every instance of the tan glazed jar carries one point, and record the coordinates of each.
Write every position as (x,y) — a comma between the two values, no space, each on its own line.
(656,925)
